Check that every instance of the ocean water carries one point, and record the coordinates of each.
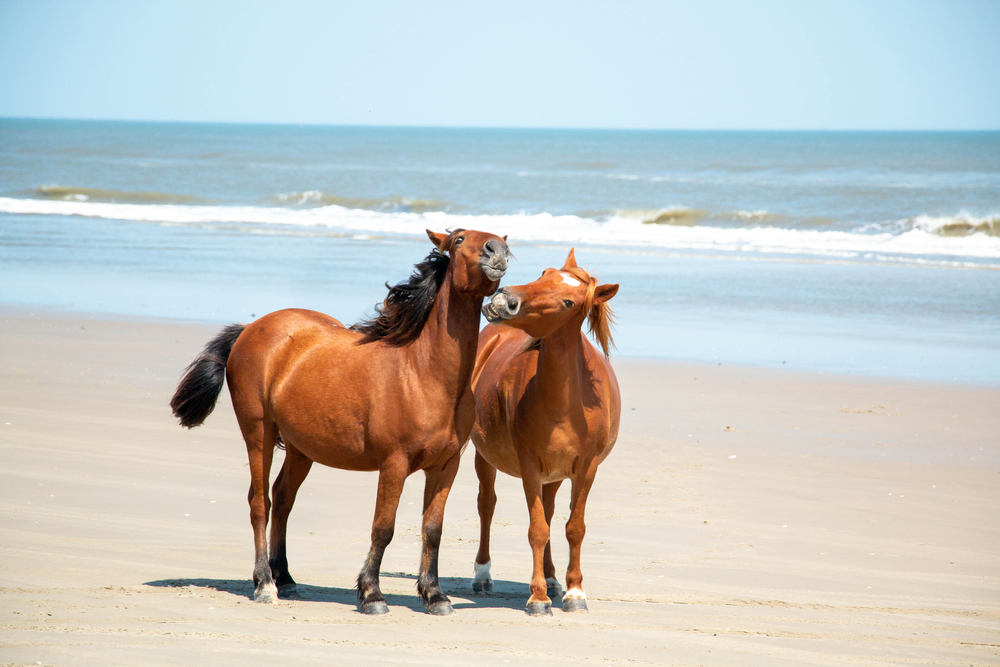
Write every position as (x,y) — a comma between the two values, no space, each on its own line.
(864,253)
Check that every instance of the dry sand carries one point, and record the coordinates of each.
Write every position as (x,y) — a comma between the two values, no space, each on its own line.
(856,525)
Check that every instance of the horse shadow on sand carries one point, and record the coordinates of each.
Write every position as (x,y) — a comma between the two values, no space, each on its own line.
(506,594)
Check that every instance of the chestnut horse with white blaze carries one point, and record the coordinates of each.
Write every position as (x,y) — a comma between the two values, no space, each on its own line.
(547,410)
(391,394)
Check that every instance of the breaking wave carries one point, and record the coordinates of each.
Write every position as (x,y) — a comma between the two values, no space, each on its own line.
(680,216)
(403,204)
(962,224)
(76,194)
(921,239)
(676,216)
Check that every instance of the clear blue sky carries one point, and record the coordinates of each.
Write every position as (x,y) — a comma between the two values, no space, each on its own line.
(769,65)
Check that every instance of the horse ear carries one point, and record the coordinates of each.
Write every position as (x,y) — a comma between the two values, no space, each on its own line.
(570,260)
(604,293)
(437,239)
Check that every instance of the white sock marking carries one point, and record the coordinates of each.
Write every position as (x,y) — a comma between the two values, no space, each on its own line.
(575,594)
(482,573)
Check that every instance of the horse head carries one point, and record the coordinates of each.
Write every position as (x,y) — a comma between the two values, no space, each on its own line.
(558,298)
(480,259)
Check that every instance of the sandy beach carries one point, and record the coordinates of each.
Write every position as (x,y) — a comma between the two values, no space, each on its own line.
(747,516)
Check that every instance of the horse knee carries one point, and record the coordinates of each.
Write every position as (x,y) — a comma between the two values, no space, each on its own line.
(575,532)
(538,534)
(258,512)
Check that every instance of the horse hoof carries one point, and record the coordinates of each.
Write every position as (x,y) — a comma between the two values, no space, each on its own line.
(482,587)
(440,608)
(267,594)
(376,608)
(553,591)
(539,609)
(574,604)
(289,592)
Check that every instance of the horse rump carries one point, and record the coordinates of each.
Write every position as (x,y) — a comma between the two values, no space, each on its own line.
(198,390)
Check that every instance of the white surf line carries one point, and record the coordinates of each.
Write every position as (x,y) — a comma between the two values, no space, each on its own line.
(547,227)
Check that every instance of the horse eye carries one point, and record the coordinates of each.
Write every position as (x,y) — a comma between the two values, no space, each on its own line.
(569,304)
(458,240)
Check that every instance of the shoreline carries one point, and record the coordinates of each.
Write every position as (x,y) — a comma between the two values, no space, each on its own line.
(751,516)
(20,310)
(888,321)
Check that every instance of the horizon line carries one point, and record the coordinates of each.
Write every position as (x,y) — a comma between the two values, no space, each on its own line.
(490,127)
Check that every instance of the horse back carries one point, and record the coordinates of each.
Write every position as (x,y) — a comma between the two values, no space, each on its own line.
(270,344)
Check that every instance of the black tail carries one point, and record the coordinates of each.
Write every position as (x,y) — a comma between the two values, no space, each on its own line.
(195,397)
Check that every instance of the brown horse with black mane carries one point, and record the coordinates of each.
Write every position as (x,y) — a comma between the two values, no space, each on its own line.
(391,394)
(548,409)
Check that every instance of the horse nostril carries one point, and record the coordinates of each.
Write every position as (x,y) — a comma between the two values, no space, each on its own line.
(489,248)
(513,304)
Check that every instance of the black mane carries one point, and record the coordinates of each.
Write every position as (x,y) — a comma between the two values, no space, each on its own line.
(400,318)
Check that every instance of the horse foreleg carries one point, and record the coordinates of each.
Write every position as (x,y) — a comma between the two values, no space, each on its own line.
(539,603)
(286,486)
(260,438)
(552,588)
(482,582)
(436,488)
(390,485)
(575,599)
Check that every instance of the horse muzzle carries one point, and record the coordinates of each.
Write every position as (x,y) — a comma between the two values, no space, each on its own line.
(503,306)
(494,260)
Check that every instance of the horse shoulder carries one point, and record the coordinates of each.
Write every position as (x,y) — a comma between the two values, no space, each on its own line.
(499,384)
(515,368)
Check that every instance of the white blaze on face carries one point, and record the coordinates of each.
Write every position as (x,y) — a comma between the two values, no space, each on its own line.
(569,280)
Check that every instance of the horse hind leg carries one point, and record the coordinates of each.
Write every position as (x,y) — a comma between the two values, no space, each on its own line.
(552,587)
(482,582)
(293,473)
(260,436)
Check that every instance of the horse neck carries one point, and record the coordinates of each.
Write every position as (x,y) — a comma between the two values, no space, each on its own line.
(560,366)
(446,347)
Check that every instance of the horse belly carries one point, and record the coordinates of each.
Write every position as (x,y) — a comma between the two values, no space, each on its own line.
(337,454)
(492,438)
(499,454)
(316,411)
(426,446)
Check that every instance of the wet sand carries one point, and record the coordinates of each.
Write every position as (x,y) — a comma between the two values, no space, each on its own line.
(746,517)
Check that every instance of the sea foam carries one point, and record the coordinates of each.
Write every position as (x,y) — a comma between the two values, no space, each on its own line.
(670,229)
